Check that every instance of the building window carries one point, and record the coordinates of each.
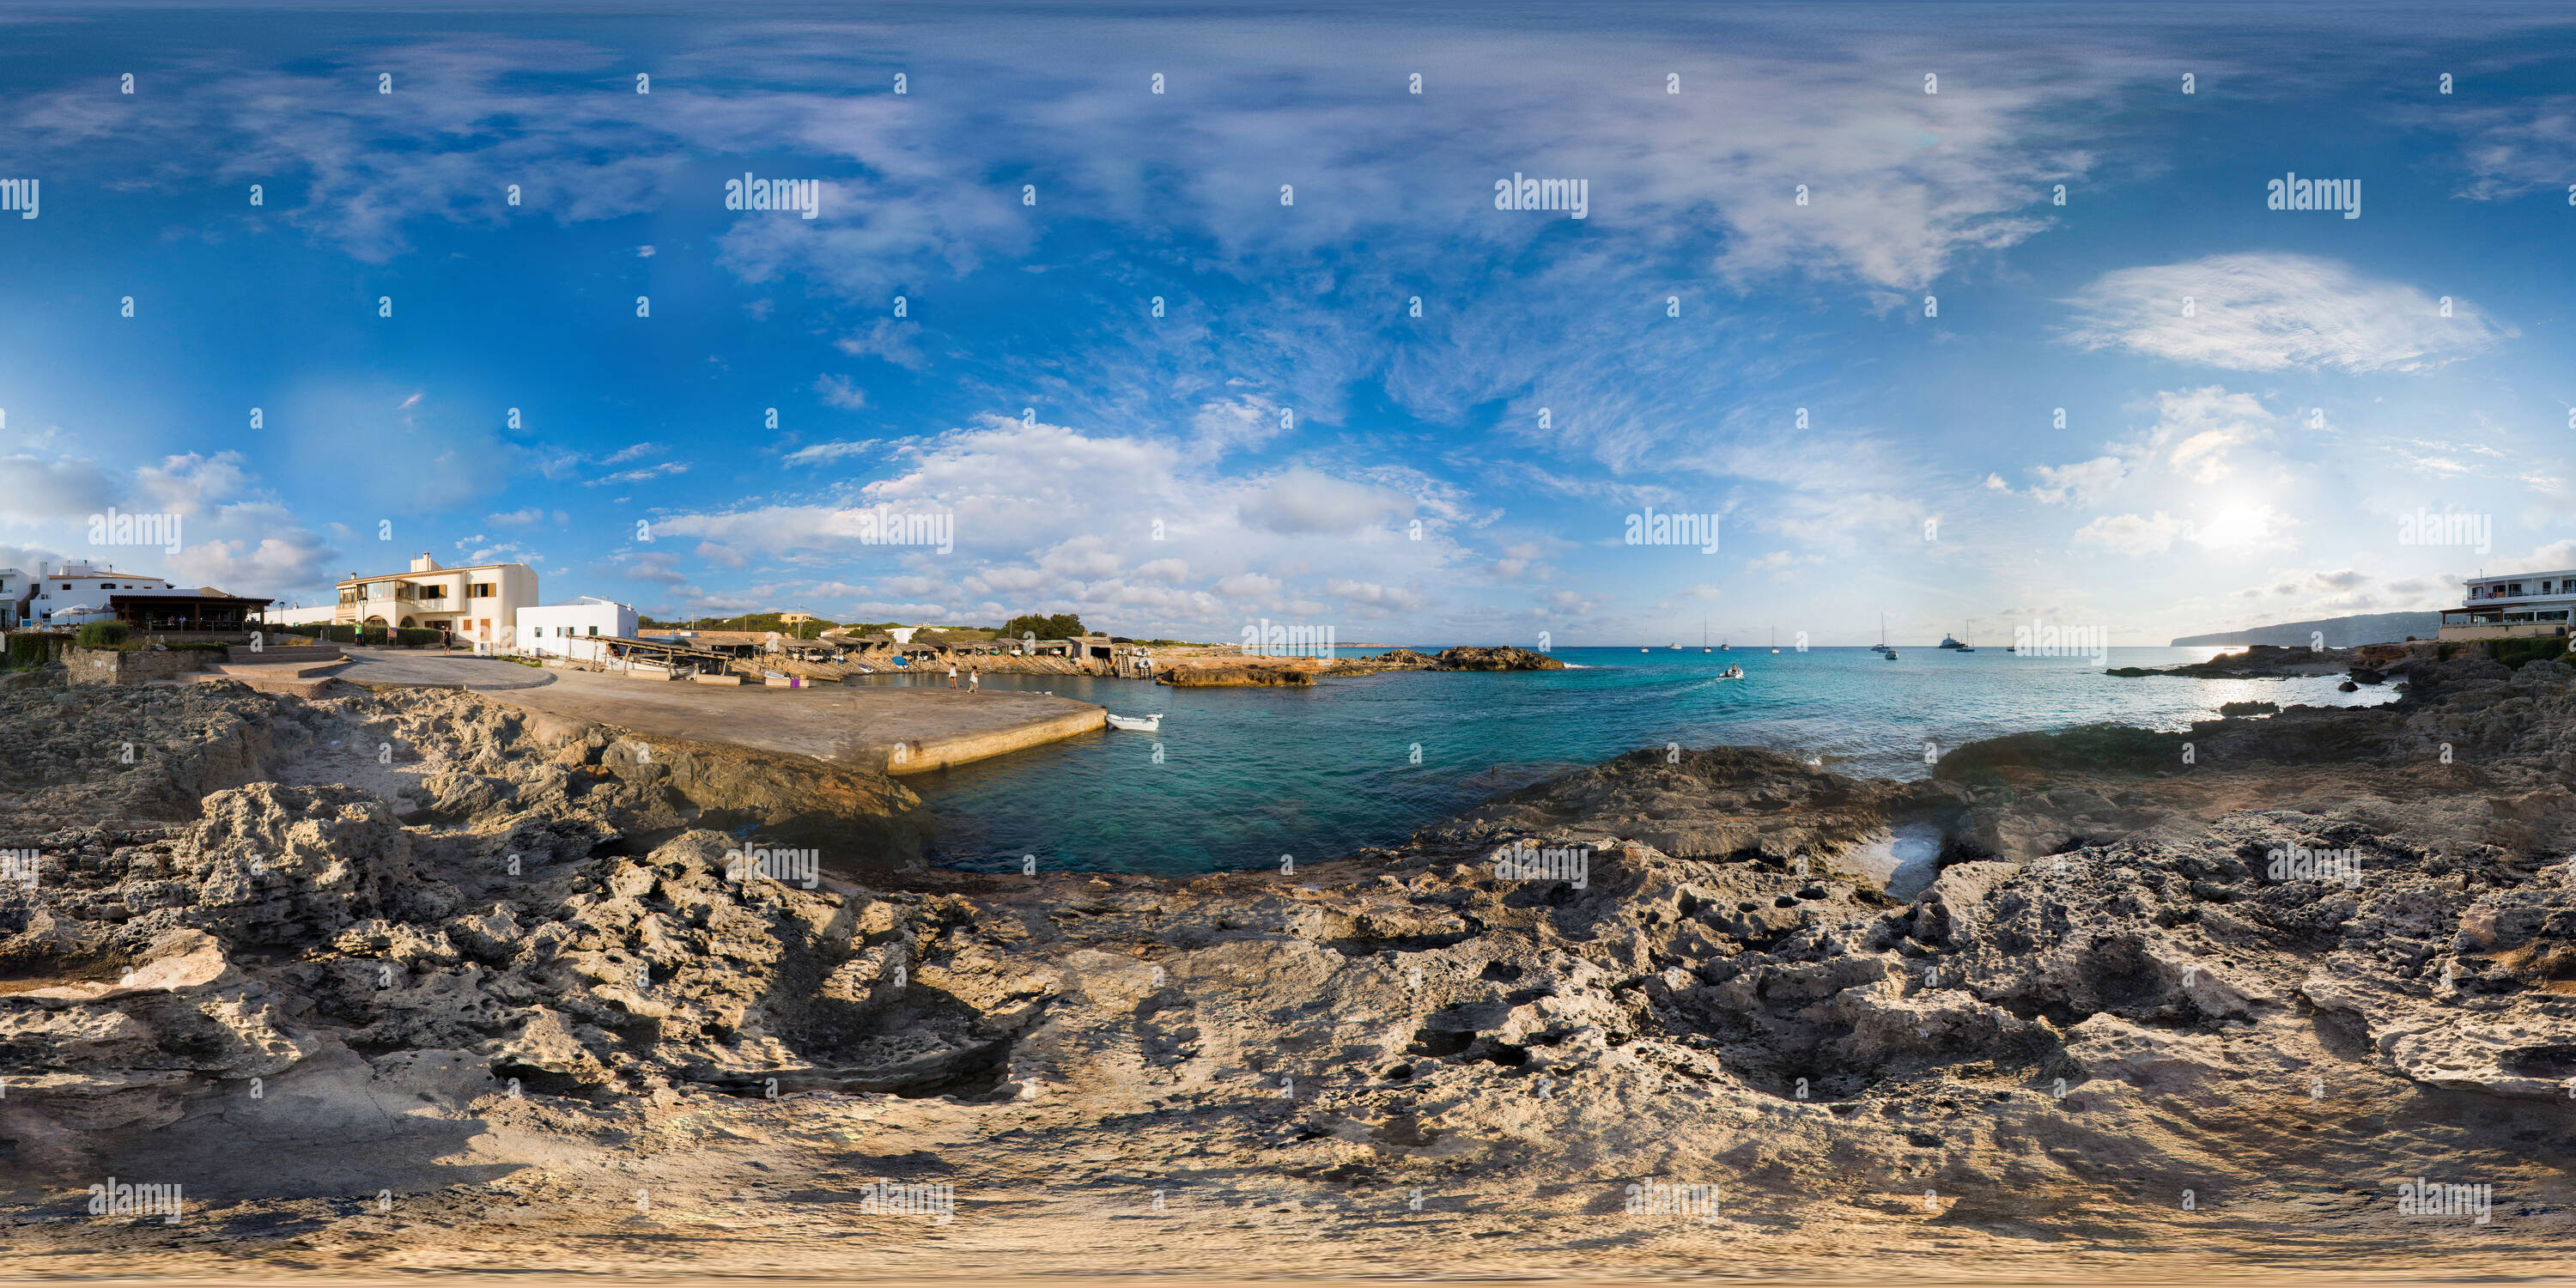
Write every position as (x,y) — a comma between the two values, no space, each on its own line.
(594,630)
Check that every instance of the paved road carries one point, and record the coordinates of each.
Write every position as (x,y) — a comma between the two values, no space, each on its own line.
(429,667)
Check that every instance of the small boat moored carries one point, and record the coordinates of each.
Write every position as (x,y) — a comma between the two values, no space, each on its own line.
(1140,724)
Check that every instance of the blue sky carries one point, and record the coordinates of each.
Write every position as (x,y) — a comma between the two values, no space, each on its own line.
(1029,196)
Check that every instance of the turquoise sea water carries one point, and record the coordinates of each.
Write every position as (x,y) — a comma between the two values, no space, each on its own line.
(1247,775)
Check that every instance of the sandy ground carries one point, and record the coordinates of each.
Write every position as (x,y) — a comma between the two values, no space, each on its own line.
(849,724)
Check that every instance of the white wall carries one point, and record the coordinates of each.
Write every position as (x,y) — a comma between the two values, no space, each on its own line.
(572,630)
(87,585)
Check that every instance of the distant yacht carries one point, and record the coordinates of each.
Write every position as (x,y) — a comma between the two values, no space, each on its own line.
(1775,639)
(1881,647)
(1951,643)
(1703,635)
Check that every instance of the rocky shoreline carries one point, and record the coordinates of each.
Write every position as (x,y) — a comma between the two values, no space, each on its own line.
(2220,989)
(1239,671)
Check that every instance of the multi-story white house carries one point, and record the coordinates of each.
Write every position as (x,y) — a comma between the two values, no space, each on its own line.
(76,593)
(478,604)
(575,629)
(2524,603)
(14,590)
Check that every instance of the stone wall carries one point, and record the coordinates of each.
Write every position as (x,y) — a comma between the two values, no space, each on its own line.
(140,666)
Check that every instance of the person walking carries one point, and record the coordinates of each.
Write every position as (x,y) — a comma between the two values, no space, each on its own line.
(974,679)
(952,673)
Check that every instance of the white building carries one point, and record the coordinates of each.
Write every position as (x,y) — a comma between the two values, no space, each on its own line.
(574,629)
(479,605)
(14,590)
(76,593)
(323,616)
(2525,603)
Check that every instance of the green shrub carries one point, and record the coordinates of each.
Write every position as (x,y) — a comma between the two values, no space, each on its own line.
(100,634)
(27,652)
(2519,651)
(415,636)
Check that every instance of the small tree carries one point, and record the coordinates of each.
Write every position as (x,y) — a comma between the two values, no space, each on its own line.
(1061,626)
(100,634)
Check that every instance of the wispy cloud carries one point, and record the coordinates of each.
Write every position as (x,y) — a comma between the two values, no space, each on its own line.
(2275,312)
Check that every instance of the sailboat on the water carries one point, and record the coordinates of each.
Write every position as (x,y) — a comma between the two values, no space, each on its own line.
(1775,639)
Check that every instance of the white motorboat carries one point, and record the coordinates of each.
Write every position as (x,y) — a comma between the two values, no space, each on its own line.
(1731,673)
(1140,724)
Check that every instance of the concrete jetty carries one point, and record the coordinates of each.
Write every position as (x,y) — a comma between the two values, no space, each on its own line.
(906,730)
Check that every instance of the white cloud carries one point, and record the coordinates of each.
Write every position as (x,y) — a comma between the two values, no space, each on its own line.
(2128,534)
(637,476)
(2274,312)
(38,489)
(837,391)
(1302,501)
(191,484)
(1373,596)
(634,452)
(2513,150)
(2082,483)
(2197,431)
(826,453)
